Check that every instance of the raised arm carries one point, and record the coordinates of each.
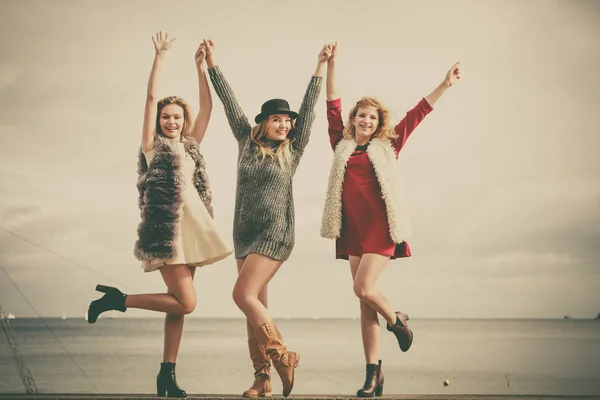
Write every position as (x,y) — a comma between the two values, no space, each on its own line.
(161,46)
(452,76)
(235,115)
(306,113)
(332,93)
(414,117)
(205,110)
(335,125)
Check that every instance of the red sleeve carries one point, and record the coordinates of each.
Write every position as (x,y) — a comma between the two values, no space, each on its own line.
(409,123)
(334,119)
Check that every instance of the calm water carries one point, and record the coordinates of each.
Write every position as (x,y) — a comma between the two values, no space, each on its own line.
(477,356)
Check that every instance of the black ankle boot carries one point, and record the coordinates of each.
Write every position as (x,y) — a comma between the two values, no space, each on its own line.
(113,299)
(403,334)
(373,382)
(166,382)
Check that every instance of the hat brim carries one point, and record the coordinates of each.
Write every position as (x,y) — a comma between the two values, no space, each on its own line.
(260,117)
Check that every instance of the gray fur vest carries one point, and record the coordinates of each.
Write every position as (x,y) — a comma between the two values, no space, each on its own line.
(160,197)
(383,158)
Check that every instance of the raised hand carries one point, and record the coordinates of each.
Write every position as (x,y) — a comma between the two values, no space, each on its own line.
(200,55)
(162,44)
(209,49)
(325,53)
(332,93)
(453,75)
(333,50)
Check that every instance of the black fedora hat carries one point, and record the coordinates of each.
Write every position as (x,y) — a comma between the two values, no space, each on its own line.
(275,106)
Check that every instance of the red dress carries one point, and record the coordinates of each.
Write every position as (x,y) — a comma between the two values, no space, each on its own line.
(365,227)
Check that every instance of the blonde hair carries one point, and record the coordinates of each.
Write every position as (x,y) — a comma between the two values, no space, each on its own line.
(186,129)
(259,136)
(384,129)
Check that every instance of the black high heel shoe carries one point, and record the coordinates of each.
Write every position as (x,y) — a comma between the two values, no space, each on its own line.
(373,382)
(166,382)
(113,299)
(403,334)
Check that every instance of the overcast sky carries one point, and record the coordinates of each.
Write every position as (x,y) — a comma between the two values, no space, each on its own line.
(502,178)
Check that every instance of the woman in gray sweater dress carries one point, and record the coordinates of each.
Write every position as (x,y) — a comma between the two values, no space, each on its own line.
(268,156)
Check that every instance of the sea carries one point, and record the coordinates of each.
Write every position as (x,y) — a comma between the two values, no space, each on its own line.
(448,356)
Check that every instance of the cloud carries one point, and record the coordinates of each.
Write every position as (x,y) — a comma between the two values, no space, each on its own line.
(8,75)
(59,97)
(9,215)
(502,179)
(545,216)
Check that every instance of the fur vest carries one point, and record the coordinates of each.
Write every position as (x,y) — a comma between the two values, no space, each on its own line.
(384,160)
(160,197)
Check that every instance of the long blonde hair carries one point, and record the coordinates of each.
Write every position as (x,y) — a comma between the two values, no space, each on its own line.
(259,136)
(384,129)
(188,123)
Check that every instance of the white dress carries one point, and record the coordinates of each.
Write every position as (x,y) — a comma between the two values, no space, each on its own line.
(197,242)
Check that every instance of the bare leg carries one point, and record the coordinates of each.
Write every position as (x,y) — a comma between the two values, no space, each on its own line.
(262,297)
(365,285)
(181,296)
(174,331)
(369,322)
(256,272)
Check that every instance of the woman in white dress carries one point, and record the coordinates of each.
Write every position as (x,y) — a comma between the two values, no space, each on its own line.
(177,233)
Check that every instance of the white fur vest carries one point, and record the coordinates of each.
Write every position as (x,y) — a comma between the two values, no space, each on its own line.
(160,197)
(383,158)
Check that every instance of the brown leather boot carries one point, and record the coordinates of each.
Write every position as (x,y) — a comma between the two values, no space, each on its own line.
(403,334)
(284,361)
(262,371)
(373,386)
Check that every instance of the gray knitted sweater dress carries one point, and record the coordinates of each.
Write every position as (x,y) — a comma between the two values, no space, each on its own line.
(264,204)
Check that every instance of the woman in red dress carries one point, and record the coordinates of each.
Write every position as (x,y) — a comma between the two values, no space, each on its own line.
(364,210)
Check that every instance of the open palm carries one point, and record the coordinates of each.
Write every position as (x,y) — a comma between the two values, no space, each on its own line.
(162,43)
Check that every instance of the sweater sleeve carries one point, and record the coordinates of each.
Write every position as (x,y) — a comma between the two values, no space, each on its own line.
(306,115)
(408,124)
(334,120)
(235,116)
